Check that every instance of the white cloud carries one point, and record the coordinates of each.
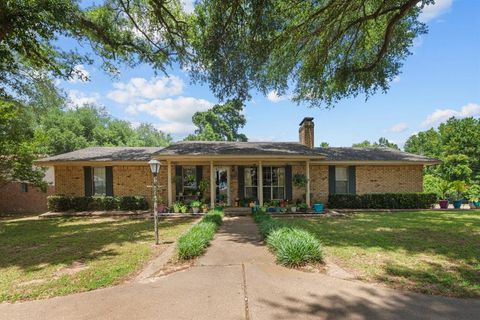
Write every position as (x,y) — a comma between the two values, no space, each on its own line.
(80,74)
(188,5)
(275,98)
(435,10)
(399,127)
(78,98)
(396,79)
(440,115)
(140,89)
(176,113)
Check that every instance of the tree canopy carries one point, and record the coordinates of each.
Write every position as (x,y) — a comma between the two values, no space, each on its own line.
(220,123)
(455,142)
(382,143)
(322,50)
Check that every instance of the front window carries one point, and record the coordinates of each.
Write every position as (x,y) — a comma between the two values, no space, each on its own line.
(99,181)
(341,180)
(189,180)
(250,183)
(273,183)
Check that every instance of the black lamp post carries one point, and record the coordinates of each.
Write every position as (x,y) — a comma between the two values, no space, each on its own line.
(155,168)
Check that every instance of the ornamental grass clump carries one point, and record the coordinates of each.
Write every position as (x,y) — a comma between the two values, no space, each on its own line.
(292,246)
(193,243)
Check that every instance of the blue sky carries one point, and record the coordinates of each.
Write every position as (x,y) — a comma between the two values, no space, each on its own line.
(441,79)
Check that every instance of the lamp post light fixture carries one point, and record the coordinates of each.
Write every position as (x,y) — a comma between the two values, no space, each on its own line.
(155,168)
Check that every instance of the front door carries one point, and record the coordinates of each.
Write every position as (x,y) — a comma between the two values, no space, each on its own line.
(222,179)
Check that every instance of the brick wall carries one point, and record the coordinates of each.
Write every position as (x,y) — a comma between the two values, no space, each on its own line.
(378,179)
(69,181)
(318,183)
(13,200)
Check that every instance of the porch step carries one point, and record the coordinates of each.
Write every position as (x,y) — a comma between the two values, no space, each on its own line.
(237,211)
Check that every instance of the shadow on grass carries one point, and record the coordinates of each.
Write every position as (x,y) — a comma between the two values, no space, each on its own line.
(451,236)
(30,244)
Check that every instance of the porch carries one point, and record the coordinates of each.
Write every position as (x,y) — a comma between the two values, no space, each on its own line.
(235,182)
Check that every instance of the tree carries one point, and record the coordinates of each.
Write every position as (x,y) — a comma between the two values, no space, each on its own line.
(149,136)
(324,144)
(382,143)
(117,31)
(325,50)
(220,123)
(456,142)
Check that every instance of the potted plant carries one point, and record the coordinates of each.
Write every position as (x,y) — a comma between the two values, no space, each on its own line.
(177,206)
(303,207)
(196,205)
(443,188)
(293,208)
(318,207)
(473,194)
(184,208)
(458,188)
(205,208)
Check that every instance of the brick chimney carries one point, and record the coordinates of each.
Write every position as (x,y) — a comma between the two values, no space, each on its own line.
(306,132)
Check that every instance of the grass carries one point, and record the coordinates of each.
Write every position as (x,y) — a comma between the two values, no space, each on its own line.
(193,243)
(433,252)
(42,258)
(291,246)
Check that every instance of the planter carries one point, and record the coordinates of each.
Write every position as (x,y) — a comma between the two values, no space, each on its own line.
(196,210)
(477,204)
(278,209)
(271,209)
(457,204)
(443,204)
(318,207)
(293,209)
(205,210)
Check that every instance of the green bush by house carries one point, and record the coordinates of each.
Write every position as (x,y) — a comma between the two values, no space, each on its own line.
(292,246)
(64,203)
(193,243)
(382,201)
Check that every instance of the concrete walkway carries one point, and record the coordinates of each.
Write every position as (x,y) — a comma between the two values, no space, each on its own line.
(238,279)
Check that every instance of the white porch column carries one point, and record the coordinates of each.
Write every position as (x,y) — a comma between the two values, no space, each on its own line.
(260,183)
(307,173)
(169,183)
(212,186)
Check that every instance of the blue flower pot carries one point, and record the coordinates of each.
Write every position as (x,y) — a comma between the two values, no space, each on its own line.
(477,204)
(318,207)
(457,204)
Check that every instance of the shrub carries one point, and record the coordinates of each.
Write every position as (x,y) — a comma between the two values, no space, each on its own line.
(133,203)
(193,243)
(292,246)
(63,203)
(58,203)
(382,201)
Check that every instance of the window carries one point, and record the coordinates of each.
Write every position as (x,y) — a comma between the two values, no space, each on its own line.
(273,183)
(341,180)
(189,180)
(24,187)
(99,181)
(250,175)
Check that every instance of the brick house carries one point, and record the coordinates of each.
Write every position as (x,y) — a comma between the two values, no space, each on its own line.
(235,171)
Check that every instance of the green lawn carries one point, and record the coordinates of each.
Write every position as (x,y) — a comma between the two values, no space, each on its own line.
(42,258)
(434,252)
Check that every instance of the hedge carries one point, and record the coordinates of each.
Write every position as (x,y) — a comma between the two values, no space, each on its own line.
(382,201)
(64,203)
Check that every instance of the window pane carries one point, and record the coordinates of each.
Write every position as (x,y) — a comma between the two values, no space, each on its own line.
(267,176)
(251,192)
(281,177)
(341,174)
(99,182)
(250,177)
(278,193)
(267,193)
(341,187)
(189,178)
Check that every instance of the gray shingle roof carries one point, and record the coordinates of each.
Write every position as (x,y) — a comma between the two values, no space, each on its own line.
(206,148)
(106,154)
(371,154)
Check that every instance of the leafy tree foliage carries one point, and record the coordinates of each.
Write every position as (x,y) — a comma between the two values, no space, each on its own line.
(326,50)
(382,143)
(220,123)
(455,142)
(63,131)
(324,144)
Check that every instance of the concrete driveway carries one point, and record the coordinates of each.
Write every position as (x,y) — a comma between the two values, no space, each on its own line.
(238,279)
